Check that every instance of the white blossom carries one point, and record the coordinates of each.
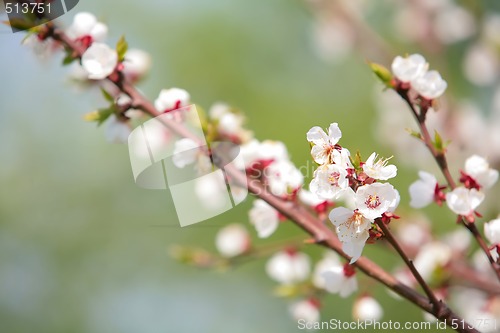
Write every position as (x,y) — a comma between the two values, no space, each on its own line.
(172,99)
(379,169)
(99,61)
(185,152)
(329,260)
(409,68)
(136,64)
(373,200)
(306,310)
(86,24)
(323,144)
(422,191)
(230,122)
(352,230)
(481,64)
(431,85)
(329,181)
(117,131)
(463,201)
(310,198)
(288,267)
(454,24)
(366,308)
(340,281)
(283,178)
(272,150)
(430,257)
(492,231)
(264,218)
(479,169)
(232,240)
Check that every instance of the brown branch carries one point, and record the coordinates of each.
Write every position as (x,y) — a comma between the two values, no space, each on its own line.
(297,214)
(430,294)
(440,158)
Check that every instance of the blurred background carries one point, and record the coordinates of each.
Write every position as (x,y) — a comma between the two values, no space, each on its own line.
(83,249)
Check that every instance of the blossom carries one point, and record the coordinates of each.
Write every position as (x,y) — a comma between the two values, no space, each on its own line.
(283,178)
(373,200)
(185,152)
(323,144)
(232,240)
(340,279)
(99,61)
(422,191)
(229,122)
(379,169)
(352,230)
(329,181)
(172,99)
(264,218)
(430,257)
(86,25)
(479,169)
(307,310)
(430,85)
(492,231)
(366,308)
(463,201)
(288,267)
(409,68)
(117,131)
(312,200)
(136,64)
(329,260)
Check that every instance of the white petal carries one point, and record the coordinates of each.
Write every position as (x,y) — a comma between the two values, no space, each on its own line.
(334,133)
(492,231)
(317,136)
(185,152)
(355,248)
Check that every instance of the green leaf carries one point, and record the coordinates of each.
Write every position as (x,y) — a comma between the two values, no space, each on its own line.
(19,23)
(107,96)
(68,59)
(121,48)
(438,142)
(100,115)
(382,73)
(356,162)
(415,134)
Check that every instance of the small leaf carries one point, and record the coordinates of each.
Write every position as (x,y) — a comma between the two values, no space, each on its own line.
(19,23)
(100,115)
(415,134)
(68,59)
(121,48)
(356,162)
(107,96)
(438,142)
(382,73)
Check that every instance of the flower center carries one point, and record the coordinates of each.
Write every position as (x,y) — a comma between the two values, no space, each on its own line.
(334,179)
(373,201)
(354,222)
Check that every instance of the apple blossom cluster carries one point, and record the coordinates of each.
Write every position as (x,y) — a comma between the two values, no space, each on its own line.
(476,177)
(359,184)
(412,72)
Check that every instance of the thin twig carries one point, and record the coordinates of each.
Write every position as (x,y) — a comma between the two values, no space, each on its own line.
(428,291)
(440,158)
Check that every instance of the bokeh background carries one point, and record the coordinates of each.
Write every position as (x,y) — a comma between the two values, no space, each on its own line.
(83,249)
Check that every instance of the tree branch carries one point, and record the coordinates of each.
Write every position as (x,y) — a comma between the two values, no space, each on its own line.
(297,214)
